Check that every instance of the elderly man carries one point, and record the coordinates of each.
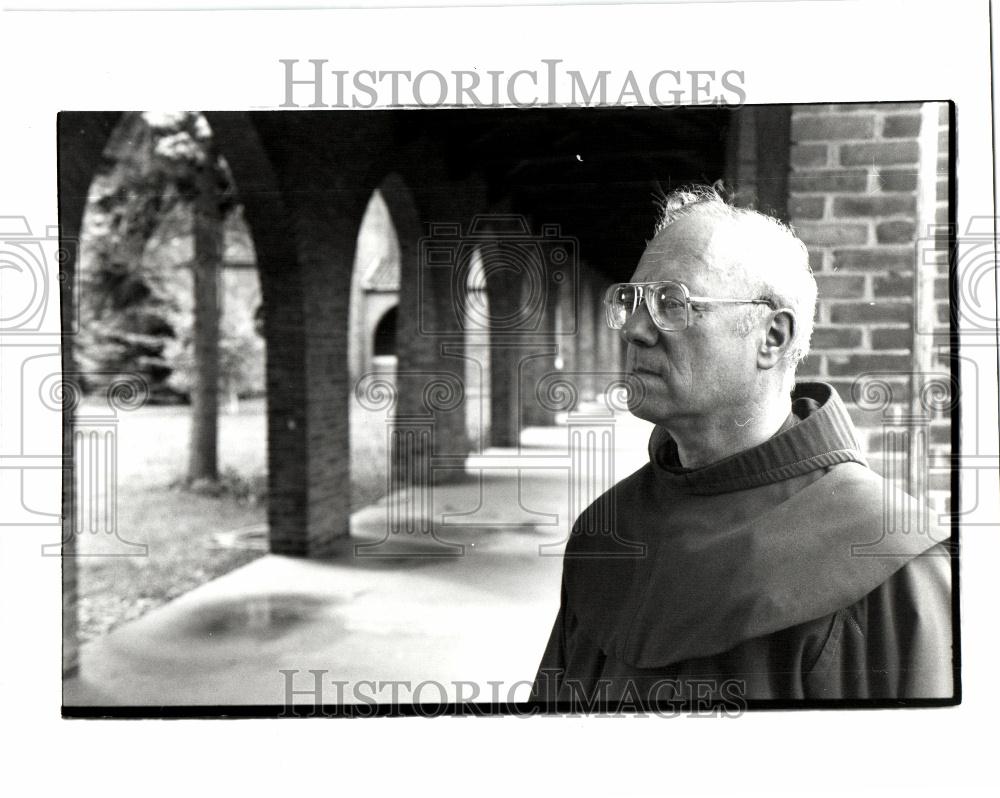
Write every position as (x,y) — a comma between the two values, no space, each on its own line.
(743,560)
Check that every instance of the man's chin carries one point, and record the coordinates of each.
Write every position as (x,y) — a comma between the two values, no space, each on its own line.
(643,411)
(638,398)
(646,400)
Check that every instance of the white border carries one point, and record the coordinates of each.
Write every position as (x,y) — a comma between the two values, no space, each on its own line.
(790,52)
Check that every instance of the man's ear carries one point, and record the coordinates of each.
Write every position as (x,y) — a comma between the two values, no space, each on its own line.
(777,339)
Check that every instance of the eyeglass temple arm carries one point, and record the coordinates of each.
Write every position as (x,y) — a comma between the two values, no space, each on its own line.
(707,299)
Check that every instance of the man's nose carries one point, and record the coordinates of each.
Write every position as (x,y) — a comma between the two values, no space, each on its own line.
(639,328)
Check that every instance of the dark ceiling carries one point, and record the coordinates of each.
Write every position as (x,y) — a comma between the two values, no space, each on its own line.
(594,171)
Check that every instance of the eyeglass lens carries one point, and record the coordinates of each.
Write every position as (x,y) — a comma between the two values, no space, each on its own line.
(666,302)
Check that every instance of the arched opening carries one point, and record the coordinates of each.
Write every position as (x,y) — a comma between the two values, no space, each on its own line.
(384,339)
(476,323)
(372,324)
(374,282)
(154,242)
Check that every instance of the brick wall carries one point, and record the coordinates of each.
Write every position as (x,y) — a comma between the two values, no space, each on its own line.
(853,199)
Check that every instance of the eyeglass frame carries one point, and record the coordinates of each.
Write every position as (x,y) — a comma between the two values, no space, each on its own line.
(688,300)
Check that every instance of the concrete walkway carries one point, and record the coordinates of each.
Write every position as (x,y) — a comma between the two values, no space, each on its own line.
(472,601)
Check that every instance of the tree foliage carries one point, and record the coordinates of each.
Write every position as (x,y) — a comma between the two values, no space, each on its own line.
(155,167)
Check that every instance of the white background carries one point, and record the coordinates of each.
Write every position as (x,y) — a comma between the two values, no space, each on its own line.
(790,52)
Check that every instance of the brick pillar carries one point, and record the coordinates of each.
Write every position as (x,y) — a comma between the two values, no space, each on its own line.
(741,156)
(301,180)
(757,152)
(326,237)
(82,138)
(503,286)
(434,269)
(537,355)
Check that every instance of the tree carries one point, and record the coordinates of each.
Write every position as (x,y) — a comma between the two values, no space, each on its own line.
(203,451)
(155,165)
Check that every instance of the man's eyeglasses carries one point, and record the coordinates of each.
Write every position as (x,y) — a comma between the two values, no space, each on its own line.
(668,302)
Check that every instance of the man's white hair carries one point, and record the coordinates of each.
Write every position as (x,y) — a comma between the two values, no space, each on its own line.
(758,254)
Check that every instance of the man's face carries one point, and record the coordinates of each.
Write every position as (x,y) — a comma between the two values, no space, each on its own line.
(702,371)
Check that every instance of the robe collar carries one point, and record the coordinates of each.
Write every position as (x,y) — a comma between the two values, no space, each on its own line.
(817,434)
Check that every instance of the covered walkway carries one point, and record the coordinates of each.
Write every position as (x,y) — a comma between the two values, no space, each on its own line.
(408,608)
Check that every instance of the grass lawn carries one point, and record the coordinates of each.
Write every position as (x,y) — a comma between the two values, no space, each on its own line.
(176,525)
(179,526)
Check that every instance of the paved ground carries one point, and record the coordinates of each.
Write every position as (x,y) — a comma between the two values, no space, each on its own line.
(472,601)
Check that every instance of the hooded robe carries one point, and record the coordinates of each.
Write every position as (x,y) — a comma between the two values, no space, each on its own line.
(776,573)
